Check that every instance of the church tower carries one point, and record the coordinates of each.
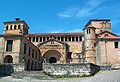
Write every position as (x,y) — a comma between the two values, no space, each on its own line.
(89,44)
(17,27)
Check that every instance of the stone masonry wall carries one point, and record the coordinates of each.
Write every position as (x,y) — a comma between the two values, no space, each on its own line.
(8,69)
(107,54)
(70,69)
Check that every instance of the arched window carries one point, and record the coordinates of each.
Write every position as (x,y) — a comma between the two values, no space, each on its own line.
(69,38)
(44,38)
(15,27)
(36,39)
(80,38)
(106,35)
(33,39)
(40,39)
(7,27)
(10,27)
(76,38)
(58,38)
(73,38)
(88,31)
(65,38)
(47,38)
(62,38)
(19,26)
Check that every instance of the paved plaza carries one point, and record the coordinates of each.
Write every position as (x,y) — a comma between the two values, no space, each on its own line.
(102,76)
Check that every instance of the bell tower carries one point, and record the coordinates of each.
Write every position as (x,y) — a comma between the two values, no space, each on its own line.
(89,44)
(18,26)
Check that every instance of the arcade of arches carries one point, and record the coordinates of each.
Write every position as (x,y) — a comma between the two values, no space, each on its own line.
(30,64)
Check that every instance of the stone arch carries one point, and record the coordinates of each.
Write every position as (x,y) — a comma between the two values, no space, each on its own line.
(35,64)
(52,56)
(8,59)
(28,64)
(32,65)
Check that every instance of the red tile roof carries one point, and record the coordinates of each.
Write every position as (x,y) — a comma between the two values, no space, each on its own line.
(58,34)
(109,35)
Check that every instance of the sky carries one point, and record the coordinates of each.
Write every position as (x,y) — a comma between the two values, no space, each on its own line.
(59,15)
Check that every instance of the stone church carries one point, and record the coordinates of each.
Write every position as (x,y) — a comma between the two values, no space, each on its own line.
(97,44)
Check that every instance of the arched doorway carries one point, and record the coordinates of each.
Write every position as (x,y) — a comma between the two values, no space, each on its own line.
(52,60)
(52,56)
(8,59)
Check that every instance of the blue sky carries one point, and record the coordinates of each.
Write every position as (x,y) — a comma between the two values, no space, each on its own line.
(59,15)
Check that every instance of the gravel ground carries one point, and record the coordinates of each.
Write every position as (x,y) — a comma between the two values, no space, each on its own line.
(102,76)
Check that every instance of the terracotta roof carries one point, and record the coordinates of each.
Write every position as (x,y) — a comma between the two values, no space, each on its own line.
(58,34)
(108,32)
(114,36)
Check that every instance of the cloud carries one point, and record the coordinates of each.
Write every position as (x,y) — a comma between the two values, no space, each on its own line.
(87,10)
(83,11)
(69,12)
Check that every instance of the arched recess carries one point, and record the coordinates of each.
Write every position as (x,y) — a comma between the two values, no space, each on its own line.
(52,56)
(8,59)
(32,65)
(28,64)
(35,66)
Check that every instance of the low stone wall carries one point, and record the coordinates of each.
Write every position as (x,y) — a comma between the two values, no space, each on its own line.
(83,69)
(8,69)
(105,67)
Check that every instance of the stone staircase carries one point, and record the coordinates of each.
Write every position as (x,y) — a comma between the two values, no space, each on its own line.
(31,74)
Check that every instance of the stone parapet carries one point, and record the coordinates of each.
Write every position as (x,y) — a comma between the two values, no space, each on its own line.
(83,69)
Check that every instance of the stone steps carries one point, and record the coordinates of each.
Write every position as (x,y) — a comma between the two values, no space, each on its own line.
(32,74)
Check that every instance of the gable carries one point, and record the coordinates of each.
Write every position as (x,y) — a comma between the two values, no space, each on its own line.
(108,35)
(52,42)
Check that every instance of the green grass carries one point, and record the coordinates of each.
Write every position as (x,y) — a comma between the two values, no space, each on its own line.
(69,76)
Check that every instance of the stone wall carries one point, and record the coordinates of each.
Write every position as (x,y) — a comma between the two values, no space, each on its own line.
(83,69)
(8,69)
(107,54)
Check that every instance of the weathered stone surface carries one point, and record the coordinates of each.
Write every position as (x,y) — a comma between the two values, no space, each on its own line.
(31,74)
(70,69)
(8,69)
(32,49)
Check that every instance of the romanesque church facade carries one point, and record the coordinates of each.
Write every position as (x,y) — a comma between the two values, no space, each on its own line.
(97,44)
